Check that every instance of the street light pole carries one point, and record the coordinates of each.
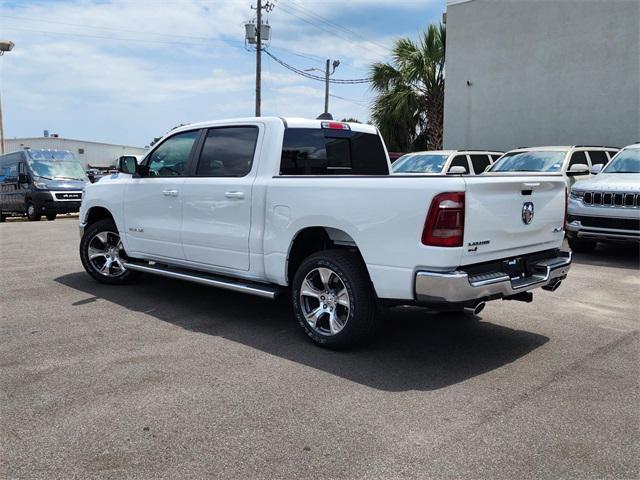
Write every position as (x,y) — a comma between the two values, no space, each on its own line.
(5,46)
(326,87)
(327,74)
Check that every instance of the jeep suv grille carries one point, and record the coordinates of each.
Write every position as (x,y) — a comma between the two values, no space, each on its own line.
(612,199)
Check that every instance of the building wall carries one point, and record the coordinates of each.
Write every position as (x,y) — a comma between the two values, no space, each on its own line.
(542,72)
(89,153)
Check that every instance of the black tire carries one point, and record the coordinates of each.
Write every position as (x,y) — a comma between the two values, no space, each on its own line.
(3,217)
(582,245)
(32,212)
(51,216)
(362,319)
(89,234)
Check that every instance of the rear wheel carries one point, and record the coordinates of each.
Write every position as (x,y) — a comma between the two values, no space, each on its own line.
(582,245)
(51,216)
(3,217)
(333,299)
(102,254)
(32,212)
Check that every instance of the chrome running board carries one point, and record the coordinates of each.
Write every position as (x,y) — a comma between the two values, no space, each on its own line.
(264,291)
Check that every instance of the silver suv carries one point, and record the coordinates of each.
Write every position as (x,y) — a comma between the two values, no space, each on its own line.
(606,207)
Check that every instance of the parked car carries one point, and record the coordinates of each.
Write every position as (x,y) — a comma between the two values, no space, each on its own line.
(446,161)
(606,207)
(272,205)
(40,182)
(571,161)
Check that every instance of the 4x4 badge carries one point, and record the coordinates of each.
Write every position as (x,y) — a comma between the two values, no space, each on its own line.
(527,212)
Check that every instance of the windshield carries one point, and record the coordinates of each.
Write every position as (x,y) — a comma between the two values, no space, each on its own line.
(626,161)
(420,163)
(529,162)
(57,169)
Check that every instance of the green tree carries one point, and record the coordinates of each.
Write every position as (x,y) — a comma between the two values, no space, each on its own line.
(409,104)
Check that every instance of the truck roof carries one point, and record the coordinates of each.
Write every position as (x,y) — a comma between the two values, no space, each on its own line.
(290,122)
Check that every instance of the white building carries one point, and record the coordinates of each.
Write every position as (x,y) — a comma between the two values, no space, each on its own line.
(538,72)
(95,154)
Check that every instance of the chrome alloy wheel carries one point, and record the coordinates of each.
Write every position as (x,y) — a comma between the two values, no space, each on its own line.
(31,210)
(106,254)
(325,301)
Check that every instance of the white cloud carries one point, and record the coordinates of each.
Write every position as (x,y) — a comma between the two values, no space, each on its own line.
(132,69)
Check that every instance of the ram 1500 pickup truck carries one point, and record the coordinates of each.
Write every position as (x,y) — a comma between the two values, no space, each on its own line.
(308,207)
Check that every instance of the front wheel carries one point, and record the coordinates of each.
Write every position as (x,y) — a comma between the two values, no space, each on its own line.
(102,254)
(33,214)
(582,245)
(51,216)
(333,299)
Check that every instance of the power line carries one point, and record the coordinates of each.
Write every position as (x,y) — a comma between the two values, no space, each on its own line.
(306,11)
(133,40)
(292,12)
(311,76)
(111,29)
(361,103)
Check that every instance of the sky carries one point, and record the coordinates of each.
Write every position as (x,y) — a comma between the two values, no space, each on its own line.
(126,71)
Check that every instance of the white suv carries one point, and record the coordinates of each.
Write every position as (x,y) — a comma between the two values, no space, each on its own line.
(607,207)
(571,161)
(446,161)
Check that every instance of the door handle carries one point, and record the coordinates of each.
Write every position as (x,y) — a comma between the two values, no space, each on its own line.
(170,193)
(237,195)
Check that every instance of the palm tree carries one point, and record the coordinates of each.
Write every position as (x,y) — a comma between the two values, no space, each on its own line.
(409,105)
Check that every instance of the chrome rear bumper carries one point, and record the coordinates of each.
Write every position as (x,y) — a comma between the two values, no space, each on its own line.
(459,287)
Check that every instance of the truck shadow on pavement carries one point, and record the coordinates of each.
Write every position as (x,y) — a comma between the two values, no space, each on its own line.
(415,350)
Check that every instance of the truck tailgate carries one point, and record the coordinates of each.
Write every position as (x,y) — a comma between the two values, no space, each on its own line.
(507,216)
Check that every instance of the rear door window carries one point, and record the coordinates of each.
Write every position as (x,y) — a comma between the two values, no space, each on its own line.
(314,151)
(479,162)
(460,161)
(228,152)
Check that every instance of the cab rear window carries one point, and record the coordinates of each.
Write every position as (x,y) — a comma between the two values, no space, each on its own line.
(314,151)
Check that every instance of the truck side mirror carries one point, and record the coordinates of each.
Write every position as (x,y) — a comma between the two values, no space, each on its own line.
(127,164)
(596,169)
(578,169)
(23,178)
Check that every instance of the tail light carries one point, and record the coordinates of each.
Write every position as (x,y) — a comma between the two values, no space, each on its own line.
(566,206)
(444,226)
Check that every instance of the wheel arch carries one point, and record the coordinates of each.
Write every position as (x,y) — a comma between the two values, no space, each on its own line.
(312,239)
(95,214)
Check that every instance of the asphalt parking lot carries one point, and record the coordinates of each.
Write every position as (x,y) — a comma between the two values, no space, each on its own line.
(164,379)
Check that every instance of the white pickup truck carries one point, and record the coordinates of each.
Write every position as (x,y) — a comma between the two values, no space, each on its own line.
(308,207)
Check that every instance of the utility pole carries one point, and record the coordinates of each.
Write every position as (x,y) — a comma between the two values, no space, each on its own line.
(258,57)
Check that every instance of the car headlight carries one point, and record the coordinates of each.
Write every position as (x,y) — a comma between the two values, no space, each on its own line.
(40,185)
(576,194)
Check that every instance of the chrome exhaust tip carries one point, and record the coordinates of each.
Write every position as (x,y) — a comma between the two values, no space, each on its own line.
(476,309)
(552,287)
